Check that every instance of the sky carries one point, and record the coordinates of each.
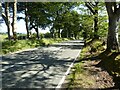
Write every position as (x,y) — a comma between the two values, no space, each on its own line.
(21,28)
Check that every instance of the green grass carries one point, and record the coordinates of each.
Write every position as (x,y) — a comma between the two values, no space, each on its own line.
(76,70)
(53,40)
(12,46)
(97,45)
(3,36)
(80,78)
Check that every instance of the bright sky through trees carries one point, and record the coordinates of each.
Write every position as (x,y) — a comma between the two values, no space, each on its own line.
(20,26)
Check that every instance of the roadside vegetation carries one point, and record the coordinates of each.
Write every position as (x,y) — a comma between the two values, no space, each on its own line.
(12,46)
(90,72)
(98,23)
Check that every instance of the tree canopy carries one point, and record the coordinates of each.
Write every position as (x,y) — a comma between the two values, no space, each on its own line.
(68,19)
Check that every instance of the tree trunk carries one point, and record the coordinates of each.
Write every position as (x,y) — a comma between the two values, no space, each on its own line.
(26,21)
(59,35)
(112,39)
(6,18)
(14,26)
(96,25)
(114,15)
(84,37)
(117,33)
(7,21)
(0,7)
(75,35)
(94,9)
(67,33)
(37,31)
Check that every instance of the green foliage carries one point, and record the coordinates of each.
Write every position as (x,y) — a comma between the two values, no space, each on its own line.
(12,46)
(78,67)
(68,23)
(87,26)
(84,53)
(97,45)
(103,26)
(33,36)
(2,37)
(75,71)
(64,18)
(41,35)
(80,77)
(47,35)
(109,60)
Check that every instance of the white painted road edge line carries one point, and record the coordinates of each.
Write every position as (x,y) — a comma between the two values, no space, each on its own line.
(67,72)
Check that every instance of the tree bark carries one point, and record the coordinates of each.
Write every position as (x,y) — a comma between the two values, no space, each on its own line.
(112,39)
(59,35)
(14,26)
(75,36)
(96,25)
(114,15)
(0,7)
(94,9)
(67,33)
(7,21)
(37,31)
(26,21)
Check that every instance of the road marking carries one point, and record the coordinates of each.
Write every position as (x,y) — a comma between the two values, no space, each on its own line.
(66,73)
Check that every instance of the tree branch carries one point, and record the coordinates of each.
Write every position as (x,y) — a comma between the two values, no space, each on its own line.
(4,17)
(91,4)
(96,3)
(90,8)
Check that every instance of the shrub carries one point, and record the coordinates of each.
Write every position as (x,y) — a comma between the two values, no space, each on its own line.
(47,35)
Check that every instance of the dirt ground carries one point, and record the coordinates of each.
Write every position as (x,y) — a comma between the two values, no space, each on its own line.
(91,77)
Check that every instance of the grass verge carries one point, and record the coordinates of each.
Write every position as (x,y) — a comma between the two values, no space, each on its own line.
(12,46)
(80,78)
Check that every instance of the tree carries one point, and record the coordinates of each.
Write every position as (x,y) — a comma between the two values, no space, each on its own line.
(56,11)
(93,7)
(0,7)
(14,26)
(6,17)
(39,17)
(86,23)
(113,10)
(23,8)
(87,29)
(26,19)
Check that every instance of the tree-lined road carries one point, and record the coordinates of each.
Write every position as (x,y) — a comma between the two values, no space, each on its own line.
(40,68)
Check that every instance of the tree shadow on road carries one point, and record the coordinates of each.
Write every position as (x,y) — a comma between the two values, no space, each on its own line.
(32,69)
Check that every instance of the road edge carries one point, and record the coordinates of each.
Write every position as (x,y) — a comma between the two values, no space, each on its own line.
(67,72)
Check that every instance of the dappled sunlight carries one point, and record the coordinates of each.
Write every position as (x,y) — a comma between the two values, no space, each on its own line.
(42,67)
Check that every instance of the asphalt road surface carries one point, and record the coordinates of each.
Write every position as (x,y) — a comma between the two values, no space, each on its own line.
(43,67)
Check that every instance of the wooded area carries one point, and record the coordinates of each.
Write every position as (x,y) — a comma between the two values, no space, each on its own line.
(92,21)
(66,22)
